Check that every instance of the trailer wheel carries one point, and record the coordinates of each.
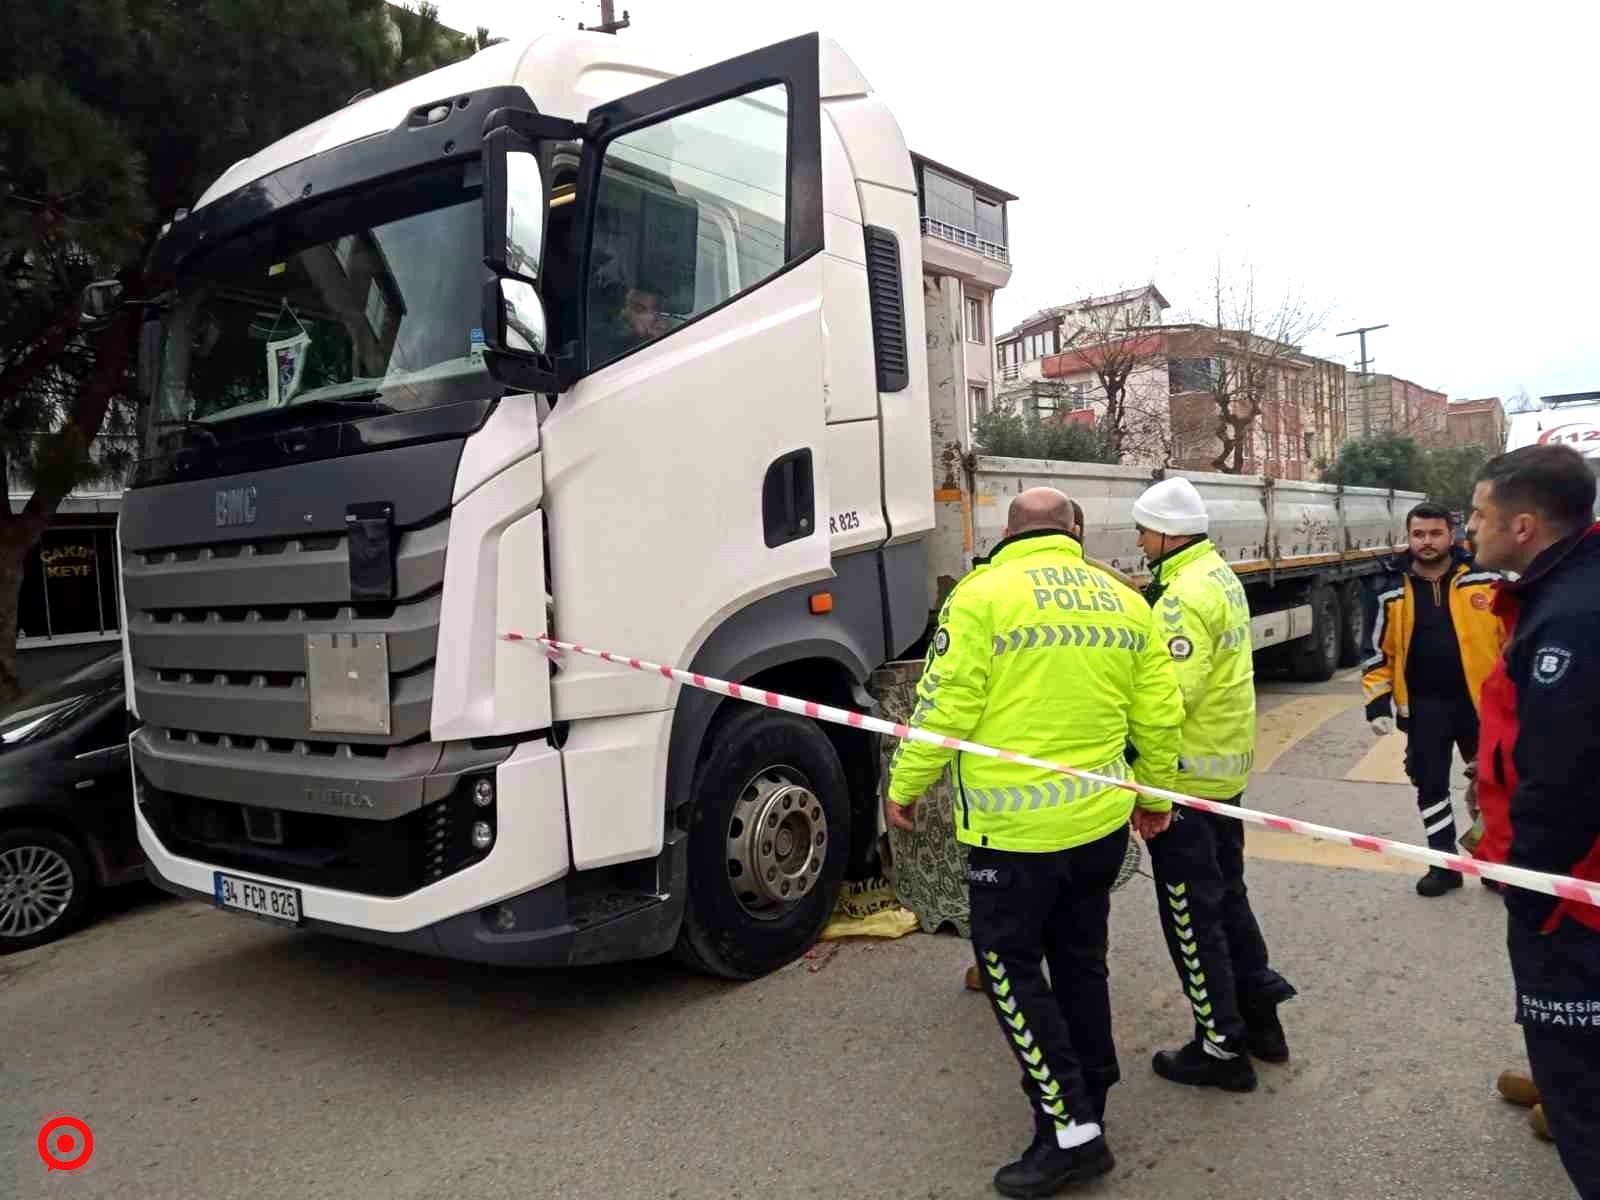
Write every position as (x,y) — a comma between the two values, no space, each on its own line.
(769,838)
(1315,658)
(1352,623)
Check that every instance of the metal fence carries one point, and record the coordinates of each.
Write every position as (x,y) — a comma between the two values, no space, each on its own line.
(966,238)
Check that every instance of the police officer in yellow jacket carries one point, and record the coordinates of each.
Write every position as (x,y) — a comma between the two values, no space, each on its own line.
(1038,652)
(1203,622)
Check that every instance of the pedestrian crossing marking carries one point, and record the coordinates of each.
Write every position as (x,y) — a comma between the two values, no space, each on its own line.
(1280,728)
(1292,848)
(1385,762)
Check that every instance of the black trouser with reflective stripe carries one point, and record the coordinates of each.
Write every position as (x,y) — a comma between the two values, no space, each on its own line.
(1211,931)
(1434,726)
(1054,907)
(1557,979)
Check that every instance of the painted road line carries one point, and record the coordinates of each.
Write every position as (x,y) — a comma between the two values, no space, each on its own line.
(1384,763)
(1289,848)
(1279,728)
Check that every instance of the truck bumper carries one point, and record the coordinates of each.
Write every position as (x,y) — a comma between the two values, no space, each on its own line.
(521,904)
(569,922)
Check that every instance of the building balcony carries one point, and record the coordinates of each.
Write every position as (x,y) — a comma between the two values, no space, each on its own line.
(951,250)
(965,237)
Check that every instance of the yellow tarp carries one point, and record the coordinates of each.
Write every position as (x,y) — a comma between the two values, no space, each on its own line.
(868,908)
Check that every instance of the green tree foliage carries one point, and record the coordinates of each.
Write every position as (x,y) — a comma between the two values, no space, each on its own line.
(1007,433)
(1451,473)
(1389,460)
(1385,460)
(113,114)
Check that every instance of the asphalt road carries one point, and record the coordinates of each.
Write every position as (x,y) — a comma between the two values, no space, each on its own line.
(214,1056)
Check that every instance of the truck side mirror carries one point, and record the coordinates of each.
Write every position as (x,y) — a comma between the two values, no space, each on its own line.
(515,202)
(514,318)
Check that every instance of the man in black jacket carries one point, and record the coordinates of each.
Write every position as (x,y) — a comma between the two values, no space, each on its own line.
(1539,771)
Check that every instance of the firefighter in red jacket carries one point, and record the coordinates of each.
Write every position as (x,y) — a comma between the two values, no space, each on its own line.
(1539,771)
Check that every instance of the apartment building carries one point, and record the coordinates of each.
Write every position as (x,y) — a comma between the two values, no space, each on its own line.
(966,259)
(1389,404)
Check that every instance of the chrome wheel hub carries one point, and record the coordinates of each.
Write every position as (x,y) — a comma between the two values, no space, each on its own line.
(777,842)
(35,890)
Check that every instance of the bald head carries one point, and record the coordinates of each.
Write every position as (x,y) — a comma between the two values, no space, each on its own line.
(1039,508)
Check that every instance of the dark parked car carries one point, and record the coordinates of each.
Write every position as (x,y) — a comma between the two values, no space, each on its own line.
(66,804)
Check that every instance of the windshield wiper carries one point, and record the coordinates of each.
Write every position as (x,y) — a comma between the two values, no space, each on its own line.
(367,400)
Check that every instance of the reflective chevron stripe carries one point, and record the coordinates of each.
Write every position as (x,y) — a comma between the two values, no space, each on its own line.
(1051,1102)
(1198,994)
(1224,766)
(1233,638)
(1040,637)
(1048,794)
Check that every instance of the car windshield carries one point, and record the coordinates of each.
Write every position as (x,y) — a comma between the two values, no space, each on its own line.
(49,709)
(367,303)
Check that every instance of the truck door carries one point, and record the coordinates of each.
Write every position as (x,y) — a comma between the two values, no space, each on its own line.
(685,469)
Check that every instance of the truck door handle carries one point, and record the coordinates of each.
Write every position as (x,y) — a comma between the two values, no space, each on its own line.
(788,499)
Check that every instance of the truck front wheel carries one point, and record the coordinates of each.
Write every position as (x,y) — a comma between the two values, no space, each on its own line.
(769,838)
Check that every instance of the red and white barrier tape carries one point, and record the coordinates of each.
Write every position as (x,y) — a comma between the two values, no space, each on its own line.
(1567,888)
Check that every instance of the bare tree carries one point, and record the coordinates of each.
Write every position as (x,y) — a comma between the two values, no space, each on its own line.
(1118,343)
(1520,402)
(1246,347)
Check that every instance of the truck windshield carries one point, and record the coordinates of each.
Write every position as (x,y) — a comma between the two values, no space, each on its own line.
(366,303)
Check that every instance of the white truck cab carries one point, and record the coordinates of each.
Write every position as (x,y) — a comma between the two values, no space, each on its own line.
(577,334)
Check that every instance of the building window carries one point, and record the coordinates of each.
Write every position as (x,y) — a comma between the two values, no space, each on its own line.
(948,201)
(69,586)
(1050,341)
(1079,392)
(1191,375)
(974,319)
(991,222)
(979,399)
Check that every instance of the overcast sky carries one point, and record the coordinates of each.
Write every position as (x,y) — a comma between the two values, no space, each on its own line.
(1432,166)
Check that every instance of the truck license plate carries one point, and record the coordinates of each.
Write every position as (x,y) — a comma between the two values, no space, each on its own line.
(265,900)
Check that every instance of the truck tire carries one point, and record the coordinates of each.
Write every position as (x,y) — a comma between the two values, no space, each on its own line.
(1352,624)
(769,837)
(45,887)
(1315,658)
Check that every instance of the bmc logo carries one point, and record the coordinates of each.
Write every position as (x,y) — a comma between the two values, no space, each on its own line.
(236,506)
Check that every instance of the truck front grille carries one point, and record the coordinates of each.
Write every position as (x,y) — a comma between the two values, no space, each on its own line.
(218,633)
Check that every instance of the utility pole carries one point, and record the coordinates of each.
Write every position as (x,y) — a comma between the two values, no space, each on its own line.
(1365,376)
(608,19)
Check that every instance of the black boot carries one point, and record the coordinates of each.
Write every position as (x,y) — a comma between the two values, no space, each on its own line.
(1264,1035)
(1438,881)
(1045,1168)
(1265,1038)
(1193,1066)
